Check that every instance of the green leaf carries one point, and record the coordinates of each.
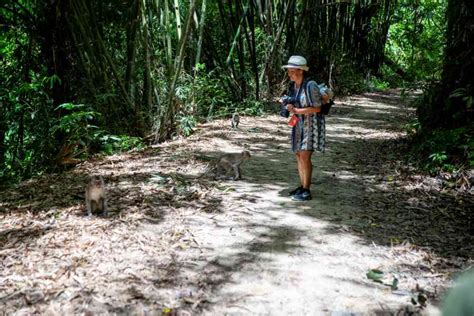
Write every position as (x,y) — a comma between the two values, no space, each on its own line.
(460,92)
(375,275)
(69,106)
(394,285)
(469,101)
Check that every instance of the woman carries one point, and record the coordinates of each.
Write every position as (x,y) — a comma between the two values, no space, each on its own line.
(306,131)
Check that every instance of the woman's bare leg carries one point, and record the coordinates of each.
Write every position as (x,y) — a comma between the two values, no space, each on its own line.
(300,167)
(306,168)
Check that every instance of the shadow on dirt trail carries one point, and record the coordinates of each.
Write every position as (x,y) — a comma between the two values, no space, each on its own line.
(177,244)
(369,211)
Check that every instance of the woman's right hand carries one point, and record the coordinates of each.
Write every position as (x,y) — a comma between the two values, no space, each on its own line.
(291,108)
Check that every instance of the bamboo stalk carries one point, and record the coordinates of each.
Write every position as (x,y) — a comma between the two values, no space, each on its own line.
(236,36)
(178,19)
(253,50)
(201,32)
(225,23)
(165,120)
(131,49)
(240,46)
(275,44)
(169,48)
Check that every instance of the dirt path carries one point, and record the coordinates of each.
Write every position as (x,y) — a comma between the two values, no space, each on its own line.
(174,245)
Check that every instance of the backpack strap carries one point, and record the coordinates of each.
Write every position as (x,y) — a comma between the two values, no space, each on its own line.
(293,92)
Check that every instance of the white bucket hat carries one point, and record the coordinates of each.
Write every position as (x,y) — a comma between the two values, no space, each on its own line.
(298,62)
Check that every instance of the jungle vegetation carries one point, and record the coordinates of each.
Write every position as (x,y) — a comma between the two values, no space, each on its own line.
(81,77)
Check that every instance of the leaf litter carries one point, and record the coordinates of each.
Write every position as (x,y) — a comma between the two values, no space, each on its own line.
(54,260)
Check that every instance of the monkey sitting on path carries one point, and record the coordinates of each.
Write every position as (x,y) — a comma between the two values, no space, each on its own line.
(96,199)
(235,120)
(228,163)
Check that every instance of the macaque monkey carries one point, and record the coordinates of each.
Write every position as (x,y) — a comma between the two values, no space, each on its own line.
(96,200)
(235,120)
(229,163)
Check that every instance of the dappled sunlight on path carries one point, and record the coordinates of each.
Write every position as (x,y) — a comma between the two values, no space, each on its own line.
(197,246)
(275,256)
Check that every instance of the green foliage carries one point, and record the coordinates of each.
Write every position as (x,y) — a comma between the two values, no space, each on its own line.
(375,275)
(350,79)
(463,93)
(25,123)
(209,94)
(412,127)
(444,149)
(416,41)
(111,62)
(439,161)
(49,82)
(392,78)
(439,144)
(111,144)
(204,97)
(74,124)
(187,124)
(250,106)
(376,84)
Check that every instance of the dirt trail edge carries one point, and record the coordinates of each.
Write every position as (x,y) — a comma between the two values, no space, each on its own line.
(181,246)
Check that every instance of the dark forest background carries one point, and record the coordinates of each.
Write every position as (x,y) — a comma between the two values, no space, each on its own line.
(81,77)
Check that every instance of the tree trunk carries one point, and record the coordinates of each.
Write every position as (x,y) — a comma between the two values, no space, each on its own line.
(56,47)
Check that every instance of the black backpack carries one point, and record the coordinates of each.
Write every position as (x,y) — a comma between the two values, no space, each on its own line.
(327,96)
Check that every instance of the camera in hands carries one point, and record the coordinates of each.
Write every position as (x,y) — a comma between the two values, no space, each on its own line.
(285,101)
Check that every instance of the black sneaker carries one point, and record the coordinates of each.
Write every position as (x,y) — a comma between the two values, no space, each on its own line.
(303,195)
(297,190)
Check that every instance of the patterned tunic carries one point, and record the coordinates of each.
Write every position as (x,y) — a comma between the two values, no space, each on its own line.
(310,131)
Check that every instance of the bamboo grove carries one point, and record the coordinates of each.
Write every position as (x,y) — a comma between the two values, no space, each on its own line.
(245,41)
(75,71)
